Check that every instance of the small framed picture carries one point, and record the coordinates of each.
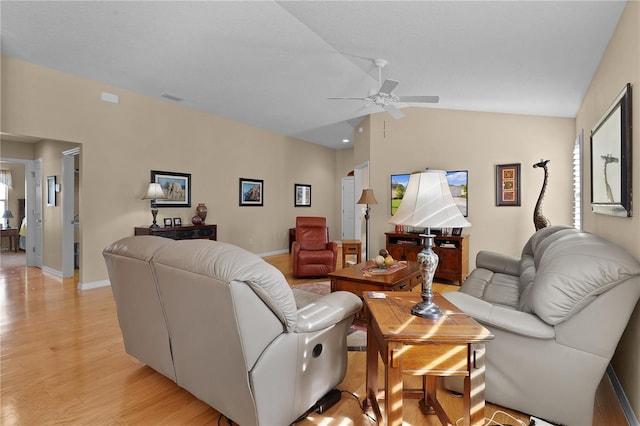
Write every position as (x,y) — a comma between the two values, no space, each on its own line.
(508,184)
(177,221)
(168,223)
(456,232)
(251,192)
(301,195)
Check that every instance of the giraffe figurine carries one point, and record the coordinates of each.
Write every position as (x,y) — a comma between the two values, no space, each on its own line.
(539,221)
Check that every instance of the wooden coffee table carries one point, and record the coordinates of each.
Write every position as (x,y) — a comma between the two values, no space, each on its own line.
(354,280)
(453,345)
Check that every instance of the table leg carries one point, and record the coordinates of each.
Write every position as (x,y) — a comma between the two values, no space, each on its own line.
(371,398)
(393,385)
(473,395)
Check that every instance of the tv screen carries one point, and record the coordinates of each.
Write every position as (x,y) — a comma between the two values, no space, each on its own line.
(458,180)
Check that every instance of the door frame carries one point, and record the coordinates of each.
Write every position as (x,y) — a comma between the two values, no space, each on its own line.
(68,211)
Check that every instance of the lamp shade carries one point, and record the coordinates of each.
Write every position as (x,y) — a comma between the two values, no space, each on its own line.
(154,192)
(367,197)
(7,214)
(428,203)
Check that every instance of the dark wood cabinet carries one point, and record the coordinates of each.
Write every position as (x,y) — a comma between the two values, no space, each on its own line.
(453,252)
(191,232)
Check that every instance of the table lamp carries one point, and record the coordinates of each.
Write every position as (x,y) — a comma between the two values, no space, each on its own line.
(367,198)
(428,203)
(7,215)
(154,192)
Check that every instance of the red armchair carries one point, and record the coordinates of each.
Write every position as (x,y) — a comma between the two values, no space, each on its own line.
(313,254)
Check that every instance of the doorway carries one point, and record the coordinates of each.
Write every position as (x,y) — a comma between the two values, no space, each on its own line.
(70,216)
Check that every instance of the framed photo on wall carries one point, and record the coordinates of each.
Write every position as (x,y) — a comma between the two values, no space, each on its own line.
(176,187)
(251,192)
(611,158)
(51,191)
(508,184)
(301,195)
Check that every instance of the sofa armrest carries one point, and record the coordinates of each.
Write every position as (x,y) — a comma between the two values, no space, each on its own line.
(327,311)
(506,319)
(498,262)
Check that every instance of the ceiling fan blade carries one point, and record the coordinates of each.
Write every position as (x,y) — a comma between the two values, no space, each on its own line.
(388,86)
(423,99)
(394,112)
(350,99)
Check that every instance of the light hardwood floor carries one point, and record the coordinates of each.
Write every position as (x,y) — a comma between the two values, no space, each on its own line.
(62,361)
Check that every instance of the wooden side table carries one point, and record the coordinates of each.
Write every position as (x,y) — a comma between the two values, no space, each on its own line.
(351,248)
(453,345)
(12,234)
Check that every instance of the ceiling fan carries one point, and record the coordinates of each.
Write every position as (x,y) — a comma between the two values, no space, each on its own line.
(385,98)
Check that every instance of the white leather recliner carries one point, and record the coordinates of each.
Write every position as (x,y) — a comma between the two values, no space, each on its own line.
(557,314)
(225,325)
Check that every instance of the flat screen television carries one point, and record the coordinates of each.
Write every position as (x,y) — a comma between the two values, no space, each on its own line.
(458,184)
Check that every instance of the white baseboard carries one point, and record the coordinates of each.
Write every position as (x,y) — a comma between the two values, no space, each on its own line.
(52,271)
(632,420)
(273,253)
(93,284)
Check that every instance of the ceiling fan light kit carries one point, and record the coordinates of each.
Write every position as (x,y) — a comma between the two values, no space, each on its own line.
(385,98)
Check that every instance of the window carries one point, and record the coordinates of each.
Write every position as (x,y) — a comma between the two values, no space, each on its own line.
(577,182)
(3,200)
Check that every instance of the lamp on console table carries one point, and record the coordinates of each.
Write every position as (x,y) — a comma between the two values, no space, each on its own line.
(427,203)
(154,192)
(7,215)
(367,198)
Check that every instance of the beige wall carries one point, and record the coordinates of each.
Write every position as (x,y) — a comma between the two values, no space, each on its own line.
(476,141)
(121,143)
(620,65)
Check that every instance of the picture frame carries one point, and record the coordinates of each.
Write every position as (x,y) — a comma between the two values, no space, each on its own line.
(611,159)
(456,232)
(168,223)
(251,192)
(301,195)
(177,221)
(176,186)
(51,191)
(508,184)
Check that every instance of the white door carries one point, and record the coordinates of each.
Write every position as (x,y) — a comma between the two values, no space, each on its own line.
(34,217)
(68,212)
(348,209)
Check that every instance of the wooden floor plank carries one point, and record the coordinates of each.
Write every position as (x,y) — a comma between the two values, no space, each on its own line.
(62,361)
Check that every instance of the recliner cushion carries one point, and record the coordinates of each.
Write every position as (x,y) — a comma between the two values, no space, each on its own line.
(577,268)
(228,263)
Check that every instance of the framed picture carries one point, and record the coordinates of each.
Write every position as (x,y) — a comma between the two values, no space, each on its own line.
(176,187)
(177,221)
(51,191)
(301,195)
(456,231)
(251,192)
(508,184)
(611,159)
(168,223)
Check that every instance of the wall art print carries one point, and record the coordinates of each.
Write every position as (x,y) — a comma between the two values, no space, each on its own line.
(508,184)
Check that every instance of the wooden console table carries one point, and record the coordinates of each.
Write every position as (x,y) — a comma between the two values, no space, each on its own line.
(453,345)
(190,232)
(453,252)
(12,234)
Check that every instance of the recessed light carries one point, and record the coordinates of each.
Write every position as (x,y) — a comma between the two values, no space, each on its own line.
(345,140)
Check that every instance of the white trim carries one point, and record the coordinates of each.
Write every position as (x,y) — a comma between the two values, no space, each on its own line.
(632,420)
(272,253)
(52,271)
(94,284)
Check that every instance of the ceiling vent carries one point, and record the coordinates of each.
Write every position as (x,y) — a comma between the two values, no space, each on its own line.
(172,97)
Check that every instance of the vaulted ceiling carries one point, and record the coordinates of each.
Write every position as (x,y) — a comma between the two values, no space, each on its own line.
(274,64)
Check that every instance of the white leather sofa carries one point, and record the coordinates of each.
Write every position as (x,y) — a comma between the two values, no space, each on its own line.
(224,325)
(557,314)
